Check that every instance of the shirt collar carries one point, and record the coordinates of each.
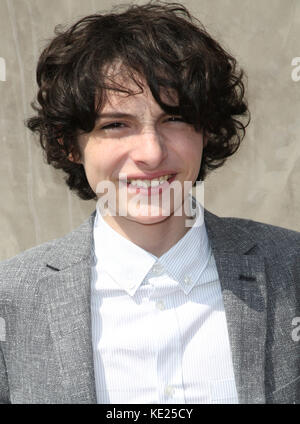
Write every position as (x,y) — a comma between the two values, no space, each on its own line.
(129,264)
(124,261)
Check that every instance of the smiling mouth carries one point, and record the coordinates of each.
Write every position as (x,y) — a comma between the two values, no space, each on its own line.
(143,187)
(145,184)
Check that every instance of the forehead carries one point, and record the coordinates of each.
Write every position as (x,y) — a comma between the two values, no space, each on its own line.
(127,87)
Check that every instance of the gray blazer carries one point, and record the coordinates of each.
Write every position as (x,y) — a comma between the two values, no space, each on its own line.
(46,351)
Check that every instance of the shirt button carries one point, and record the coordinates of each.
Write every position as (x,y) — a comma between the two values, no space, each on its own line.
(160,305)
(157,268)
(169,391)
(187,279)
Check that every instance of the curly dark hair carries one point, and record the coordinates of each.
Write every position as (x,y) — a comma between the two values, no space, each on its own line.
(165,45)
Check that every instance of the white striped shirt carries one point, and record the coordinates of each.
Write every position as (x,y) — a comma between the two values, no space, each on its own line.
(159,329)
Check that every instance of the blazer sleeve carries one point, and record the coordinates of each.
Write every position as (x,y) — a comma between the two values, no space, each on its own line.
(4,388)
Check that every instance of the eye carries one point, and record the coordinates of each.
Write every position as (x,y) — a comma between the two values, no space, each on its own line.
(113,125)
(175,119)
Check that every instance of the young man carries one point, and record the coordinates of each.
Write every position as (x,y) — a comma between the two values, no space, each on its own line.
(136,306)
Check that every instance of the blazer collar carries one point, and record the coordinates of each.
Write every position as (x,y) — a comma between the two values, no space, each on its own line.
(241,270)
(72,248)
(223,238)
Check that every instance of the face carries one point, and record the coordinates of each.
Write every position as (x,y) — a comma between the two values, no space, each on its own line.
(135,138)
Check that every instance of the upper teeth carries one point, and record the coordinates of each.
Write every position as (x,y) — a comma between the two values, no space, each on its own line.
(150,183)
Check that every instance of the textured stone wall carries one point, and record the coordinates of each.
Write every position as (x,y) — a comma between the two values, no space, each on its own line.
(261,181)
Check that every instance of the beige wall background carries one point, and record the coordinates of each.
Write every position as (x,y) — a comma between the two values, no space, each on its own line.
(260,182)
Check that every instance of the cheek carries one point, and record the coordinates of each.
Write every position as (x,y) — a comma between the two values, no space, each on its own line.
(191,150)
(193,156)
(91,161)
(100,163)
(198,145)
(92,166)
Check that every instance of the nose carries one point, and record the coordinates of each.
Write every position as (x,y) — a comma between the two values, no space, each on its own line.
(149,150)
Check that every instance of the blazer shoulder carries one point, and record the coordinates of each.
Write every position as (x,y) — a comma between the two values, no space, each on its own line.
(26,267)
(268,235)
(26,259)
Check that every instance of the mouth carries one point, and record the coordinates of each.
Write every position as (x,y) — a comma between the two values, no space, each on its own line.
(150,187)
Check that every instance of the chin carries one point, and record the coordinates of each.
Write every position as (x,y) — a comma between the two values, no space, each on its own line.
(148,220)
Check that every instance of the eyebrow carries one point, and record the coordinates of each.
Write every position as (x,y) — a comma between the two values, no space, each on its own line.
(115,115)
(119,115)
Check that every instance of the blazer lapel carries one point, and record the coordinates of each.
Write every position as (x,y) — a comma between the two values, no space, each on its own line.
(68,302)
(242,278)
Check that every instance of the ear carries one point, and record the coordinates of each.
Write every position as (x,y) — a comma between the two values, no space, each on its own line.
(70,155)
(72,159)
